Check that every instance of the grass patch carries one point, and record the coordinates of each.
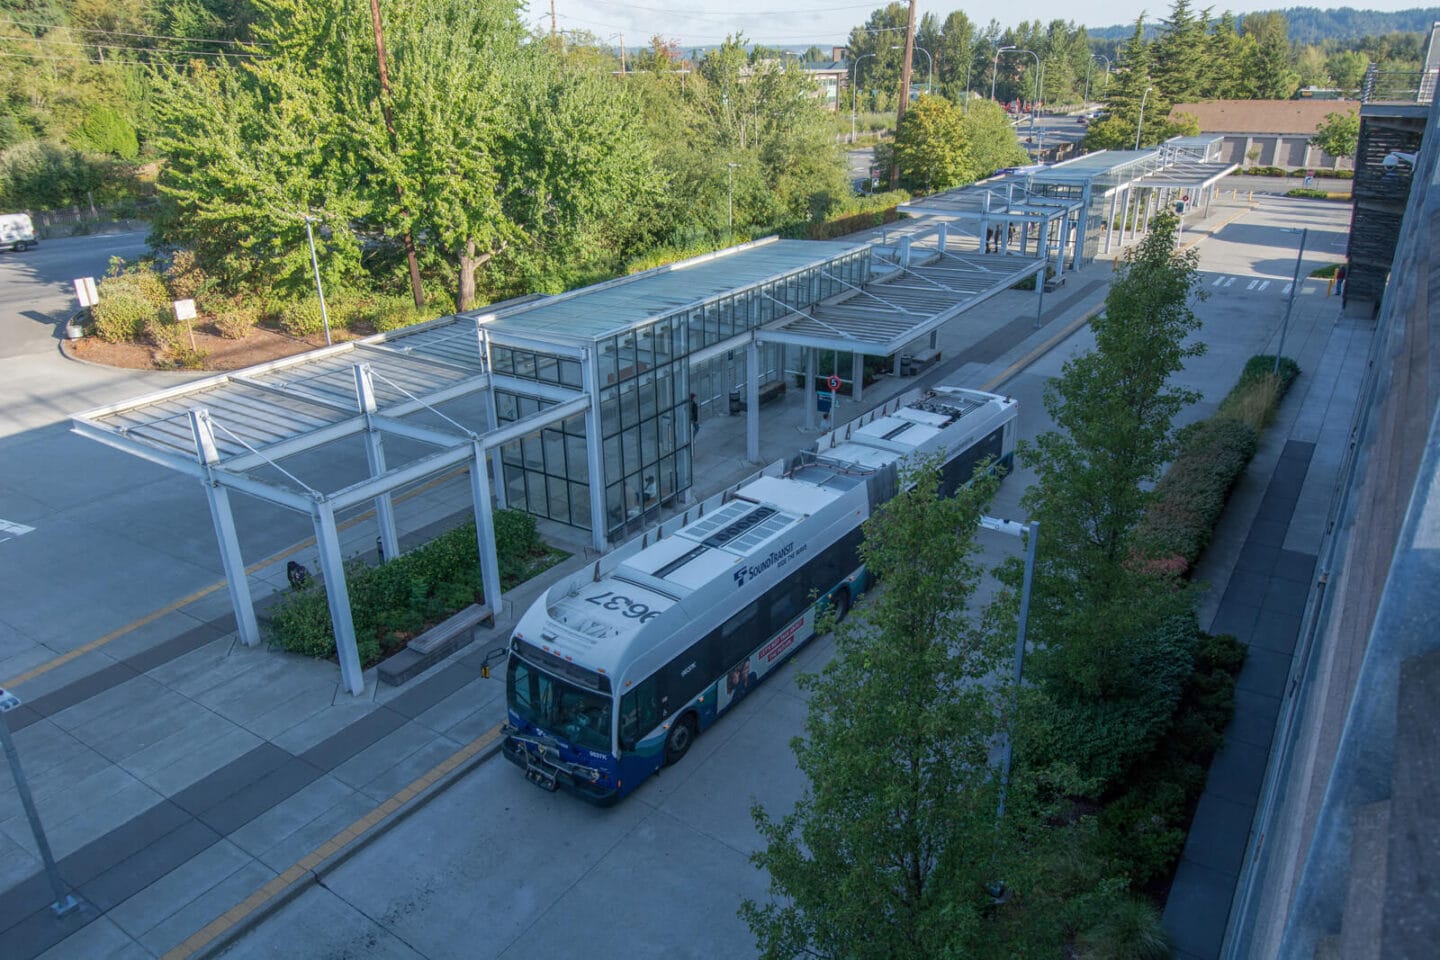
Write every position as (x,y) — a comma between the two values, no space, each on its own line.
(1327,271)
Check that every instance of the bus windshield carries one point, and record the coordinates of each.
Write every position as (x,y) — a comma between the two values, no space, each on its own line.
(580,716)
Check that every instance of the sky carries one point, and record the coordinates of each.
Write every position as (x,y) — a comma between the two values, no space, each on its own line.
(798,23)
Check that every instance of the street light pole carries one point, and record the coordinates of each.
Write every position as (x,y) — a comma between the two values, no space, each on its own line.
(1030,532)
(995,66)
(1290,303)
(65,901)
(929,67)
(730,198)
(1140,124)
(854,90)
(315,263)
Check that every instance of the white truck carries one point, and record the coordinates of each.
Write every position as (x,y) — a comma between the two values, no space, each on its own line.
(16,232)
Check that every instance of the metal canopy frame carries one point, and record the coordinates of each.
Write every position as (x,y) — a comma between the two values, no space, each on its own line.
(223,429)
(1004,202)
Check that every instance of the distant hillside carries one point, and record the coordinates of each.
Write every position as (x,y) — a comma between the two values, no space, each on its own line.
(1310,25)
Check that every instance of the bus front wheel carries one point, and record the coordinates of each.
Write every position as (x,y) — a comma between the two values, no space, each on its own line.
(842,604)
(682,735)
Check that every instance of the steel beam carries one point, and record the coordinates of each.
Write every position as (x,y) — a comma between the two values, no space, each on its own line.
(485,528)
(752,400)
(342,624)
(375,457)
(237,583)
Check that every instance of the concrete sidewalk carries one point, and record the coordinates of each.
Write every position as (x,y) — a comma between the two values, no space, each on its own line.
(178,772)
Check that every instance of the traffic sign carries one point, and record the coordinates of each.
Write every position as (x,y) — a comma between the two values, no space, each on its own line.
(834,382)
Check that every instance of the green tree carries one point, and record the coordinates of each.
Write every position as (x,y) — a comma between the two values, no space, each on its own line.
(1339,135)
(1179,54)
(1347,69)
(887,853)
(1227,53)
(939,146)
(1268,69)
(1098,611)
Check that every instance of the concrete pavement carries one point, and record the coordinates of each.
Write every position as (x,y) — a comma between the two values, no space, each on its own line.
(178,772)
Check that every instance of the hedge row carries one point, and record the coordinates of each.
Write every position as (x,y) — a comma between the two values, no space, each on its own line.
(1213,456)
(394,602)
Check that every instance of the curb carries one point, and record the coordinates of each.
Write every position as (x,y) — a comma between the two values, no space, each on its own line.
(1039,351)
(222,932)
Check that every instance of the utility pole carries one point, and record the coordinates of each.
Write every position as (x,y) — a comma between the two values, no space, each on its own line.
(623,69)
(904,92)
(552,19)
(415,287)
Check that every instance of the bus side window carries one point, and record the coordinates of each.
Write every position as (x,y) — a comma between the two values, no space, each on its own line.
(738,636)
(639,713)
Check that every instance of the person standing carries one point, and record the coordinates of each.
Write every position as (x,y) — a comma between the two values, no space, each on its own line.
(694,416)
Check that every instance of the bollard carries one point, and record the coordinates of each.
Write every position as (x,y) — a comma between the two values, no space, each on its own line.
(1330,287)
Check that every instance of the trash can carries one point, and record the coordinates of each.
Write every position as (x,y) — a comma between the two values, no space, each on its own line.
(734,402)
(822,401)
(907,365)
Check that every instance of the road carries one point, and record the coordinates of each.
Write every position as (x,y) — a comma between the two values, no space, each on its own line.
(38,386)
(97,519)
(495,868)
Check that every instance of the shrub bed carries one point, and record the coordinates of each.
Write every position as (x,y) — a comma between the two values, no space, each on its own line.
(1142,826)
(396,601)
(1213,456)
(130,300)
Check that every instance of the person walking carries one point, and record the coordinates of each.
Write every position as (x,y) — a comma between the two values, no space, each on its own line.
(694,417)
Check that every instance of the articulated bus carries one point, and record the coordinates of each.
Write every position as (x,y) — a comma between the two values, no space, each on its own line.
(613,672)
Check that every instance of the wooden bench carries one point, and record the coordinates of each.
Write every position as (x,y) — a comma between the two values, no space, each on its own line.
(769,390)
(914,365)
(435,644)
(1054,283)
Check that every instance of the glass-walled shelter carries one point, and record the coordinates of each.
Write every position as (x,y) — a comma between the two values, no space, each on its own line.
(634,344)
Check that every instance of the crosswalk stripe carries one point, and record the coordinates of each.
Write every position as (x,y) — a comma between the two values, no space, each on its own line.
(1287,287)
(1252,284)
(1218,281)
(1229,281)
(1264,284)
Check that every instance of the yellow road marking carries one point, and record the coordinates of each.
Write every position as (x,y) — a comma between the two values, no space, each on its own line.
(222,924)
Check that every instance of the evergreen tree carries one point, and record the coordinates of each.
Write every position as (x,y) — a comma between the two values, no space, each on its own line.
(1112,636)
(888,852)
(1179,55)
(1268,69)
(1227,53)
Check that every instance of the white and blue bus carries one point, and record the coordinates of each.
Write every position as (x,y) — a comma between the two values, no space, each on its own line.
(613,672)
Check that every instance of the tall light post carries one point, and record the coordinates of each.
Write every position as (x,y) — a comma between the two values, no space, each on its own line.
(929,68)
(1030,533)
(1034,106)
(65,901)
(315,263)
(1140,124)
(995,66)
(969,63)
(1088,65)
(855,89)
(1290,303)
(730,198)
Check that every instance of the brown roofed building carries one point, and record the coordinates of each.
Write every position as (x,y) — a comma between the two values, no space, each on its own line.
(1280,129)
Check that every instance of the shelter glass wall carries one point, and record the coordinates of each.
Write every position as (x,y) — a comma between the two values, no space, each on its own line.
(644,380)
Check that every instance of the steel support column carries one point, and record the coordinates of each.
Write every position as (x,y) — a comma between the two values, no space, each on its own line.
(1110,224)
(752,400)
(810,386)
(857,374)
(332,567)
(492,412)
(485,528)
(236,583)
(594,460)
(375,455)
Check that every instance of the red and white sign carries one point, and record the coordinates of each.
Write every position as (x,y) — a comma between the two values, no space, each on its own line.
(834,382)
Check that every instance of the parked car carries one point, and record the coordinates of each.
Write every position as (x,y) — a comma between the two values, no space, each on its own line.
(16,232)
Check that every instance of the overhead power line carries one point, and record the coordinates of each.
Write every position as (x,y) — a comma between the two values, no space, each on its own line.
(160,51)
(30,24)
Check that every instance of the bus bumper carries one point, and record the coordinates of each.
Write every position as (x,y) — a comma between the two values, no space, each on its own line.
(551,777)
